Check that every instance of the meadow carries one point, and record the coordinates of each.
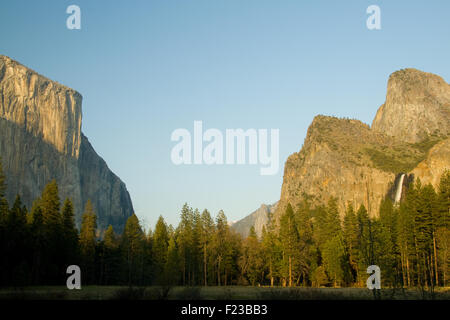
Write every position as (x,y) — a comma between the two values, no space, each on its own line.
(215,293)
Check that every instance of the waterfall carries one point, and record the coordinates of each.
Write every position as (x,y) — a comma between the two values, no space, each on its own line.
(398,194)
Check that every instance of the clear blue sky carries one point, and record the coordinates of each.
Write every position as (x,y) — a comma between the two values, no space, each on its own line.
(145,68)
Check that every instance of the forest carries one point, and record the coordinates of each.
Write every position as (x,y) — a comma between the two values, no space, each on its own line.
(309,246)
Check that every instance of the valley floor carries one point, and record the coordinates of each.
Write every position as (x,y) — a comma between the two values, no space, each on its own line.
(213,293)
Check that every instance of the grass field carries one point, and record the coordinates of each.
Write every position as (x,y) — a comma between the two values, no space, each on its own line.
(213,293)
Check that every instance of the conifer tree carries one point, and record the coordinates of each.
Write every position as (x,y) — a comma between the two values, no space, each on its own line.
(50,205)
(333,222)
(333,254)
(207,230)
(442,244)
(306,254)
(16,244)
(290,244)
(272,251)
(251,262)
(159,249)
(39,243)
(196,250)
(52,218)
(365,248)
(350,233)
(172,267)
(70,233)
(185,242)
(387,248)
(425,233)
(133,248)
(222,248)
(112,257)
(88,241)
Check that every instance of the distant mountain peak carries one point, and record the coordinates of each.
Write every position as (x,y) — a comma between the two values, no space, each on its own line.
(258,219)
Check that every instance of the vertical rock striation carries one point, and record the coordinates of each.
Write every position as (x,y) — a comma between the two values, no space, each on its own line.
(41,140)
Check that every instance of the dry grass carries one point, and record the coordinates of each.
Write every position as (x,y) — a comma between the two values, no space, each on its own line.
(211,293)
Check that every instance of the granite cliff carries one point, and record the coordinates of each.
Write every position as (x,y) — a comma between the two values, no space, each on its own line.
(258,219)
(417,106)
(41,140)
(353,162)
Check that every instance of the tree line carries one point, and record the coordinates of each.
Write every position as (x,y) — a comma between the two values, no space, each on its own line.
(306,246)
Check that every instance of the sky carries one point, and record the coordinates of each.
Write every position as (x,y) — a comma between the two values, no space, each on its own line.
(146,68)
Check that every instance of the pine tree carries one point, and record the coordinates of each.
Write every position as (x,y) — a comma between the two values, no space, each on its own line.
(159,249)
(387,250)
(39,243)
(365,237)
(110,238)
(52,218)
(306,254)
(272,251)
(207,230)
(443,198)
(185,242)
(333,250)
(442,243)
(320,225)
(50,205)
(425,233)
(196,249)
(111,257)
(231,258)
(405,239)
(133,248)
(16,244)
(172,266)
(222,248)
(88,241)
(333,254)
(290,243)
(350,234)
(333,222)
(251,262)
(70,233)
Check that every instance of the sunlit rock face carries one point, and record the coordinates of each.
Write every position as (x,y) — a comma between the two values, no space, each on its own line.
(417,106)
(41,140)
(354,163)
(437,161)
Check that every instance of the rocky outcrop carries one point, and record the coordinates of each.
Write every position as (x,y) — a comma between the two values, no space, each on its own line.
(258,219)
(348,160)
(417,106)
(436,162)
(103,187)
(42,107)
(335,161)
(41,140)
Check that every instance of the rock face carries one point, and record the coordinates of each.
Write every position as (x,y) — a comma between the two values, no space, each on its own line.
(438,160)
(417,105)
(41,140)
(352,162)
(258,219)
